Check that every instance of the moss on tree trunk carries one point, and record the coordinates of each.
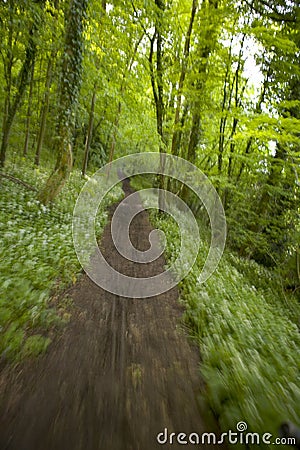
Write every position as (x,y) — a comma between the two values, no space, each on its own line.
(69,89)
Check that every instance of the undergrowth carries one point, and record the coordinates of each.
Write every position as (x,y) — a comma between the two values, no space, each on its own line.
(37,259)
(247,331)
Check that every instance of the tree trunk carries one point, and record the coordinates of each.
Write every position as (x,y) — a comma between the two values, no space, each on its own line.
(29,112)
(15,105)
(8,63)
(157,89)
(89,133)
(176,134)
(69,90)
(116,122)
(22,81)
(115,128)
(209,39)
(44,109)
(258,110)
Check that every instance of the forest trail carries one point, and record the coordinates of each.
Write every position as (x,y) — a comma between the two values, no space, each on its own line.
(121,372)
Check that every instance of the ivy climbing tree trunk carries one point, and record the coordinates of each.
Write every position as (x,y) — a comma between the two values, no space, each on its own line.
(69,90)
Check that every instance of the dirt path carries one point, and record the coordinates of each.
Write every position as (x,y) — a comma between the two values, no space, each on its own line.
(122,371)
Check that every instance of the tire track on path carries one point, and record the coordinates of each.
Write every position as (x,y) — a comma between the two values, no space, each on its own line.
(121,371)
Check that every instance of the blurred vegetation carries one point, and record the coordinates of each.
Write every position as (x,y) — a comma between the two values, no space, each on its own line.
(215,82)
(247,329)
(38,259)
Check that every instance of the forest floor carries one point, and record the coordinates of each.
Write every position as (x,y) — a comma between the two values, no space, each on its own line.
(120,372)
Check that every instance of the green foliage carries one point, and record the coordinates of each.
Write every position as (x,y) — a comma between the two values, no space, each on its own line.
(230,90)
(247,331)
(37,258)
(35,345)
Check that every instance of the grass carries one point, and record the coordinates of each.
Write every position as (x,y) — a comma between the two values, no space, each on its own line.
(247,331)
(37,259)
(249,341)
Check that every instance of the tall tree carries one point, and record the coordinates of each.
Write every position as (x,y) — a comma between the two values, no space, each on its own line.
(51,61)
(29,112)
(156,75)
(176,139)
(23,77)
(89,131)
(69,90)
(207,41)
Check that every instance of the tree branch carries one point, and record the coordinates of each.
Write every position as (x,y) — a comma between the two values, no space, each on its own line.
(276,16)
(18,181)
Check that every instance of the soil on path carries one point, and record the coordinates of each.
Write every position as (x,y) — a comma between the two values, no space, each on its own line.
(122,371)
